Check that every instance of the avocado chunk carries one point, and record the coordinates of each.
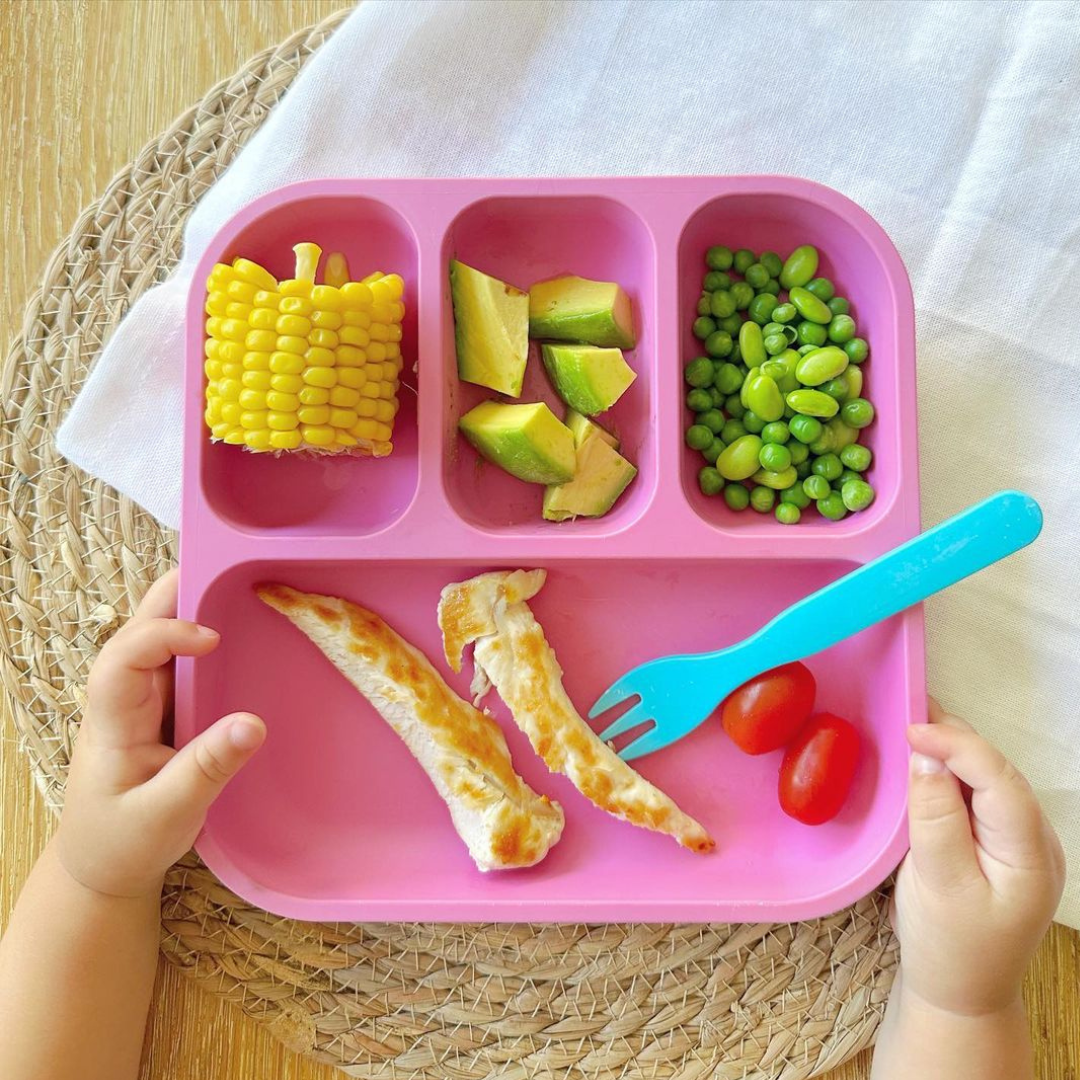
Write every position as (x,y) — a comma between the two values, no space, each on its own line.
(587,378)
(491,330)
(602,476)
(528,441)
(577,309)
(583,428)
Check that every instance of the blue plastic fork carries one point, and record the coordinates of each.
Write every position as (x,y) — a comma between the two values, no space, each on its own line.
(680,692)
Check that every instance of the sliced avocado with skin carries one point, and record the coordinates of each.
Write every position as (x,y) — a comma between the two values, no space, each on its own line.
(583,428)
(491,330)
(602,476)
(577,309)
(528,441)
(587,378)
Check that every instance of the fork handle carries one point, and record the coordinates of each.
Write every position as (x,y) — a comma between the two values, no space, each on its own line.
(932,561)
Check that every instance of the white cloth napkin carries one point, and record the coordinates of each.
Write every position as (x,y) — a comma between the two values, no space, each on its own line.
(955,125)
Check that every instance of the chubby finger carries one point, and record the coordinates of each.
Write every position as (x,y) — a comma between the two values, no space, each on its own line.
(1007,821)
(161,598)
(942,846)
(196,775)
(938,715)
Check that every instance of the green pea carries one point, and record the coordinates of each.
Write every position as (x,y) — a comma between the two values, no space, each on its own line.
(821,365)
(842,434)
(777,481)
(857,413)
(715,280)
(713,419)
(776,432)
(762,307)
(795,496)
(856,457)
(731,323)
(844,477)
(810,307)
(772,286)
(784,313)
(718,258)
(699,400)
(740,459)
(744,259)
(752,422)
(752,374)
(762,499)
(704,304)
(743,294)
(710,481)
(857,349)
(839,306)
(733,429)
(728,379)
(805,428)
(800,267)
(774,457)
(699,372)
(772,262)
(823,444)
(713,451)
(751,344)
(836,388)
(841,329)
(813,403)
(703,327)
(803,471)
(736,496)
(799,451)
(698,436)
(771,328)
(827,466)
(812,334)
(723,304)
(736,353)
(821,287)
(775,344)
(764,398)
(734,407)
(717,397)
(857,494)
(832,507)
(718,343)
(756,275)
(816,487)
(788,513)
(804,349)
(853,380)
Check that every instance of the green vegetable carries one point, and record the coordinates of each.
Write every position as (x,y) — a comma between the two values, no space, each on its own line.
(804,349)
(751,375)
(703,327)
(839,306)
(836,388)
(857,350)
(853,378)
(732,324)
(699,400)
(800,267)
(715,280)
(736,496)
(762,307)
(821,287)
(827,466)
(744,259)
(717,397)
(723,304)
(757,275)
(728,379)
(788,513)
(710,481)
(842,435)
(713,451)
(718,343)
(752,422)
(841,329)
(784,313)
(774,457)
(751,344)
(856,457)
(775,344)
(733,429)
(772,262)
(704,304)
(823,444)
(803,471)
(845,476)
(812,334)
(799,451)
(772,286)
(810,307)
(713,419)
(816,487)
(778,481)
(857,413)
(832,507)
(763,397)
(805,428)
(762,499)
(743,294)
(776,432)
(820,366)
(795,496)
(734,407)
(699,372)
(739,460)
(718,258)
(698,436)
(813,403)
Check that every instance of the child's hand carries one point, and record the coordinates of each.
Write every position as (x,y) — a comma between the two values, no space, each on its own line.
(134,805)
(982,881)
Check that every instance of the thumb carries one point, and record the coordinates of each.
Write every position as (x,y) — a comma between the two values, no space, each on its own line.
(195,776)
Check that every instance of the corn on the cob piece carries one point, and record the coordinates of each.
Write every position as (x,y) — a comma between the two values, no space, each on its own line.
(296,365)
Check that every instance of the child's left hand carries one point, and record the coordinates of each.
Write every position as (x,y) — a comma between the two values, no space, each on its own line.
(134,805)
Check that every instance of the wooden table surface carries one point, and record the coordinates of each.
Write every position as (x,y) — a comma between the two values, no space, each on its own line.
(83,85)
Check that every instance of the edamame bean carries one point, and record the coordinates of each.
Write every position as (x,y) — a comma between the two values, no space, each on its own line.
(799,452)
(762,307)
(736,496)
(719,258)
(777,481)
(776,432)
(728,379)
(757,275)
(698,436)
(723,304)
(827,466)
(857,413)
(752,422)
(841,329)
(743,294)
(788,513)
(842,434)
(816,487)
(795,496)
(839,306)
(832,507)
(810,307)
(784,313)
(710,481)
(699,400)
(744,259)
(856,457)
(814,334)
(703,327)
(774,457)
(857,350)
(821,365)
(734,407)
(713,419)
(732,430)
(772,262)
(718,343)
(775,369)
(813,403)
(752,344)
(853,377)
(821,287)
(857,494)
(739,461)
(751,375)
(699,372)
(762,499)
(775,344)
(800,267)
(763,397)
(715,280)
(805,428)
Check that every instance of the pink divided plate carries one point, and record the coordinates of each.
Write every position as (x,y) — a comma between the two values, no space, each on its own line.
(333,820)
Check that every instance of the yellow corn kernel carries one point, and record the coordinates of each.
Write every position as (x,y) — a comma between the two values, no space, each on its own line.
(267,298)
(252,421)
(257,361)
(318,435)
(337,270)
(344,397)
(252,399)
(210,348)
(212,369)
(263,319)
(314,395)
(221,429)
(294,287)
(280,402)
(357,318)
(354,335)
(389,371)
(230,352)
(229,389)
(382,313)
(351,377)
(212,414)
(326,320)
(348,356)
(254,274)
(286,384)
(286,363)
(286,440)
(367,409)
(393,352)
(256,380)
(323,339)
(257,440)
(365,429)
(238,311)
(307,260)
(230,412)
(343,418)
(383,432)
(314,414)
(320,357)
(395,285)
(220,275)
(344,439)
(397,311)
(327,298)
(380,292)
(376,351)
(290,343)
(380,332)
(235,437)
(356,295)
(394,330)
(232,371)
(385,411)
(233,329)
(282,421)
(213,326)
(387,390)
(212,389)
(370,389)
(216,303)
(295,325)
(261,340)
(241,291)
(320,376)
(295,305)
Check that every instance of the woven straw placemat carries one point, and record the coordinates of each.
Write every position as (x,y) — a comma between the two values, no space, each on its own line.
(380,1001)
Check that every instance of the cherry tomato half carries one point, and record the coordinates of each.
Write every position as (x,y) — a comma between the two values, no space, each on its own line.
(817,770)
(767,712)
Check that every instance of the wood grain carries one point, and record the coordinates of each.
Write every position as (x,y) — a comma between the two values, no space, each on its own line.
(83,84)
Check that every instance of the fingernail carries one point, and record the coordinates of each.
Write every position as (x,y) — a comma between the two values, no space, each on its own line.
(206,631)
(924,765)
(245,735)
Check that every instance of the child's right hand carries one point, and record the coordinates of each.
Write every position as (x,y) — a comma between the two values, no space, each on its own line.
(981,883)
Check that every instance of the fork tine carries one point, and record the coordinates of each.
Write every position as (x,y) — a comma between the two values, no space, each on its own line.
(656,738)
(614,695)
(630,719)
